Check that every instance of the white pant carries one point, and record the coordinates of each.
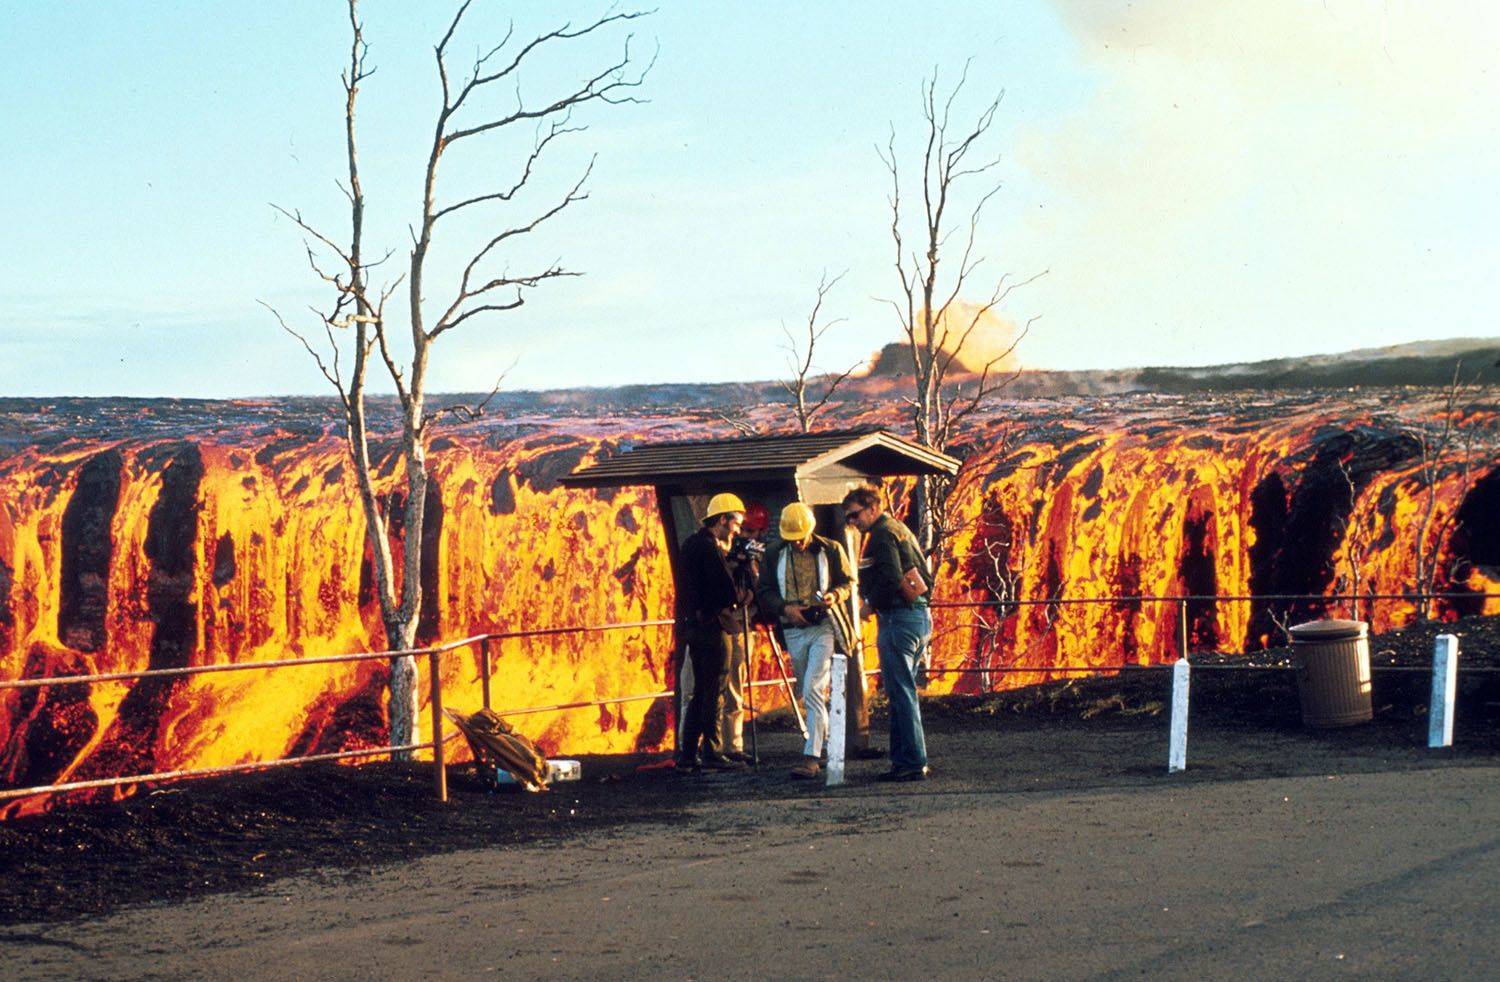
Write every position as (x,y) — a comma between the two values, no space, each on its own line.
(811,649)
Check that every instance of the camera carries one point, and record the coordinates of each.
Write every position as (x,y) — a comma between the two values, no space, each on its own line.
(745,549)
(815,613)
(743,560)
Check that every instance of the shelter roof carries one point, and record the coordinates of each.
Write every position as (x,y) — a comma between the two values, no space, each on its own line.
(868,451)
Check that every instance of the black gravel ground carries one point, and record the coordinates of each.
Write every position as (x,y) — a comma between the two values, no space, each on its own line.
(226,835)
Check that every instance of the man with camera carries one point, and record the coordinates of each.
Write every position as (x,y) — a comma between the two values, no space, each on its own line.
(712,606)
(804,583)
(743,558)
(895,587)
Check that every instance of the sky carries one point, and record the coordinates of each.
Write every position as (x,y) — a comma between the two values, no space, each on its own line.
(1199,182)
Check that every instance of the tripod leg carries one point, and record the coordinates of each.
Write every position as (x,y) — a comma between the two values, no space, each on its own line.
(750,687)
(786,680)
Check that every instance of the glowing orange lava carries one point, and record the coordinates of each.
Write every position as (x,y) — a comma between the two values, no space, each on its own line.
(248,544)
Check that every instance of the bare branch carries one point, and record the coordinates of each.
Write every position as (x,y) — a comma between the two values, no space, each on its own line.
(604,86)
(469,414)
(296,217)
(800,360)
(465,292)
(398,378)
(302,339)
(739,419)
(563,33)
(831,383)
(555,129)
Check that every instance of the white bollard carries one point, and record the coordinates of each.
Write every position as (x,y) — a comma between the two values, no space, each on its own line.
(1177,754)
(1444,691)
(837,710)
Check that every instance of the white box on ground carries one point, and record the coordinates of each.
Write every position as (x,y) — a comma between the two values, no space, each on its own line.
(557,770)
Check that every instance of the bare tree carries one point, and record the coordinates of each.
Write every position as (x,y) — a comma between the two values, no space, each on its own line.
(1001,582)
(1452,444)
(357,327)
(737,418)
(1357,541)
(805,379)
(946,390)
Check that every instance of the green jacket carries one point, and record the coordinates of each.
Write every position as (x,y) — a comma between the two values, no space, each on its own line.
(891,550)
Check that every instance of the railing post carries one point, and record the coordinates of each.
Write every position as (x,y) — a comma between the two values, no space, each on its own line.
(1177,749)
(1444,691)
(484,670)
(439,767)
(1181,682)
(837,713)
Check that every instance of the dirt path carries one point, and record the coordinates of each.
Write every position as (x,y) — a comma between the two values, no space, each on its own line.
(1057,852)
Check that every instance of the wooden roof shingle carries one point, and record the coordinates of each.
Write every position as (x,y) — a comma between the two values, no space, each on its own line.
(776,457)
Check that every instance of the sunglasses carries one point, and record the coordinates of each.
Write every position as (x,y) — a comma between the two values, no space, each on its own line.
(850,516)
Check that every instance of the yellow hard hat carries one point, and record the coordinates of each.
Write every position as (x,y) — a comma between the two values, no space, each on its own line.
(797,522)
(722,504)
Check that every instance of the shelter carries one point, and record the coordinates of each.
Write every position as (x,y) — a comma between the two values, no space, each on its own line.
(768,473)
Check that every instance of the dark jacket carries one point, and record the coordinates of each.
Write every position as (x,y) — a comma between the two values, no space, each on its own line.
(768,588)
(891,550)
(705,584)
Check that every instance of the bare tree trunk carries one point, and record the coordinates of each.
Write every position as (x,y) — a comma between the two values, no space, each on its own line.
(401,696)
(401,631)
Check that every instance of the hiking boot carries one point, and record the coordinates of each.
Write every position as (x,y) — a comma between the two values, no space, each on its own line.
(807,769)
(686,767)
(718,762)
(738,755)
(903,774)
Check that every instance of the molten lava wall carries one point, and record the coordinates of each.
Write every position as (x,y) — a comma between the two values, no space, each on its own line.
(160,555)
(1215,507)
(235,544)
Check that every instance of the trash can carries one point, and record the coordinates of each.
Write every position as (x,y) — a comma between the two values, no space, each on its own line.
(1333,672)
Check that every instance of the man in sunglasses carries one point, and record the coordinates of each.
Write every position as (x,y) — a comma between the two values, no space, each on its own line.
(905,624)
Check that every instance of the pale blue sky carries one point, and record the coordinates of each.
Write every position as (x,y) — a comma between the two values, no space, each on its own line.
(1205,183)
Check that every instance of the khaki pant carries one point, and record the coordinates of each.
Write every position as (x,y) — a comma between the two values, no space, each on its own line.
(732,708)
(728,734)
(731,731)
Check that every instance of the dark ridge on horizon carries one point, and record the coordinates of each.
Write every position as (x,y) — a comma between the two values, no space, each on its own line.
(1419,363)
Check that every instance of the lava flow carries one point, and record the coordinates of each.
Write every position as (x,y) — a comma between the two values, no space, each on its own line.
(237,536)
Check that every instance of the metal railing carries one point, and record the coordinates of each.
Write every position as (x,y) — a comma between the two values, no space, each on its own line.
(433,654)
(436,744)
(1183,601)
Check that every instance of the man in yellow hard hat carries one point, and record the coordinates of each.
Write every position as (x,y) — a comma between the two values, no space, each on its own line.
(805,582)
(711,606)
(743,553)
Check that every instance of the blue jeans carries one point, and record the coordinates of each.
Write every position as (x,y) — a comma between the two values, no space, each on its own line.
(902,640)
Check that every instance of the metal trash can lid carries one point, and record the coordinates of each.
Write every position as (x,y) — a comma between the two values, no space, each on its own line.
(1328,630)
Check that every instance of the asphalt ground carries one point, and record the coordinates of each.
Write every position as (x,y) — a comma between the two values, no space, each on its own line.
(1040,848)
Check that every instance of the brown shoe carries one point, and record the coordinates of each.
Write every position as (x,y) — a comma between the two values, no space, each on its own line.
(718,762)
(904,774)
(807,769)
